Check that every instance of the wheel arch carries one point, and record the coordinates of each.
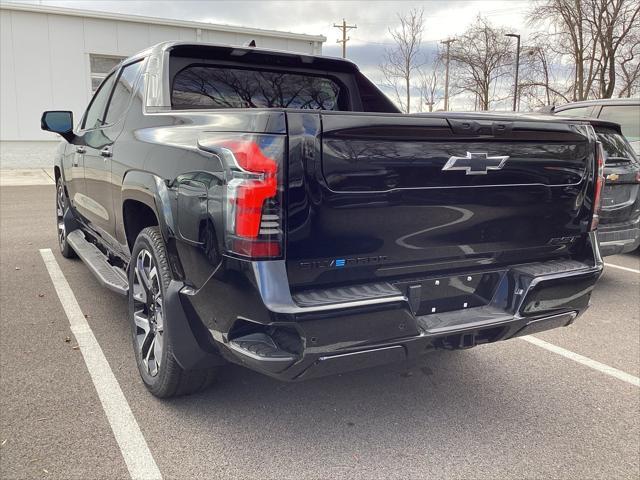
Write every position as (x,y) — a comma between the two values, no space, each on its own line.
(136,216)
(145,202)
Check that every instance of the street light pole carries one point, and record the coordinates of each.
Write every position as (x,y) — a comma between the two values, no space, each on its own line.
(446,74)
(516,99)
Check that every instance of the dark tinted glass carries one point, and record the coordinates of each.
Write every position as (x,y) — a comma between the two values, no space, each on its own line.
(94,117)
(216,87)
(122,92)
(616,147)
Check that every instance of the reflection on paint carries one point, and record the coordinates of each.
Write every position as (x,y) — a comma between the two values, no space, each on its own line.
(465,215)
(83,202)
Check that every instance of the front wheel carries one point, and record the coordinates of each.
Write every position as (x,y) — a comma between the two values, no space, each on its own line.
(149,278)
(61,210)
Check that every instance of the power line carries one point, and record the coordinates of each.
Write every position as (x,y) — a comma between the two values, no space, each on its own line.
(391,44)
(345,28)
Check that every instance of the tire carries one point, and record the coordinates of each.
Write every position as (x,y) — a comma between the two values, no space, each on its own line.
(61,209)
(149,277)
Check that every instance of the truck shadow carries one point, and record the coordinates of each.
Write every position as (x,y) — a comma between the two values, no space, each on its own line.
(444,387)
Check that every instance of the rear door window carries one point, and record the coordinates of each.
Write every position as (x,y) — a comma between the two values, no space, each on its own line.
(628,116)
(122,92)
(208,86)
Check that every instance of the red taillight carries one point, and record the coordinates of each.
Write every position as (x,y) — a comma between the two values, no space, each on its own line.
(252,248)
(597,197)
(253,203)
(251,192)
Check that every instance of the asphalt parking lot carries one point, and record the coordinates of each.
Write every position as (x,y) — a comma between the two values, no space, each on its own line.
(506,410)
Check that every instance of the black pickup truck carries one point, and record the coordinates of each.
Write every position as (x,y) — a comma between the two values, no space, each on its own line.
(276,210)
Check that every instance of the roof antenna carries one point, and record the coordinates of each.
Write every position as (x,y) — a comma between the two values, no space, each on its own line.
(252,43)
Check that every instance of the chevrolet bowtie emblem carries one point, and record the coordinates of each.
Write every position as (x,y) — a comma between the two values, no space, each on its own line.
(475,163)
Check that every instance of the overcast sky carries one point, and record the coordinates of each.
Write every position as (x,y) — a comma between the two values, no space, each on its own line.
(442,18)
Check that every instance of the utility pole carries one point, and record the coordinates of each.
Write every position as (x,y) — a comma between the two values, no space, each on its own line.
(446,74)
(516,98)
(345,28)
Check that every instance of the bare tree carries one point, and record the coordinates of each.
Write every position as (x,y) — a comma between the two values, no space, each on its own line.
(590,33)
(430,83)
(429,87)
(612,22)
(628,67)
(481,57)
(402,61)
(571,33)
(544,80)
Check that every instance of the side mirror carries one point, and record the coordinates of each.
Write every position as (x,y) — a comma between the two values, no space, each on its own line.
(60,122)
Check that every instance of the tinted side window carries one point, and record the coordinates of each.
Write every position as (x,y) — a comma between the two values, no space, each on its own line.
(577,112)
(122,92)
(94,117)
(628,116)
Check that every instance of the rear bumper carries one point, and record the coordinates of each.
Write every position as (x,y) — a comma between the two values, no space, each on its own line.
(619,237)
(413,347)
(327,332)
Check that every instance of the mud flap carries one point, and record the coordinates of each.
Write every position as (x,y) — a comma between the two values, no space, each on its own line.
(192,349)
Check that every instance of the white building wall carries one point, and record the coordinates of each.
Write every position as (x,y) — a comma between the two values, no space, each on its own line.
(44,65)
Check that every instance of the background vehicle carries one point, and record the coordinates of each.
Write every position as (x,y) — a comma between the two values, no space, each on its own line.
(619,230)
(619,226)
(624,111)
(276,210)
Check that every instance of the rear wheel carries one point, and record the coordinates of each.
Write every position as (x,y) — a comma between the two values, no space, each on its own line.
(149,277)
(61,209)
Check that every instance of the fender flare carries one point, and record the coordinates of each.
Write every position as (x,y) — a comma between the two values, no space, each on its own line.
(152,191)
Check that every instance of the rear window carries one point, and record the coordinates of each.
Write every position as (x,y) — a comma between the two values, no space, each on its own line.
(199,86)
(616,147)
(628,116)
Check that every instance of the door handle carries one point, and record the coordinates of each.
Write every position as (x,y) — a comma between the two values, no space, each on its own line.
(80,150)
(106,152)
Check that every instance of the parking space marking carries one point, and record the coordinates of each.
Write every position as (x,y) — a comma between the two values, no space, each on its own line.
(126,430)
(601,367)
(627,269)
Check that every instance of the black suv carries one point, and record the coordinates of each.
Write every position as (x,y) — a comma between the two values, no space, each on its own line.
(276,210)
(619,230)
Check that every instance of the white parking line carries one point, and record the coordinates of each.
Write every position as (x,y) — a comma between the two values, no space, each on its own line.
(133,446)
(601,367)
(627,269)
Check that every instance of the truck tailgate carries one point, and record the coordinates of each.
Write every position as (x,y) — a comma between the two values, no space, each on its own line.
(386,196)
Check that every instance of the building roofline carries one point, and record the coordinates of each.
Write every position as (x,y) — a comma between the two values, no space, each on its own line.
(23,7)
